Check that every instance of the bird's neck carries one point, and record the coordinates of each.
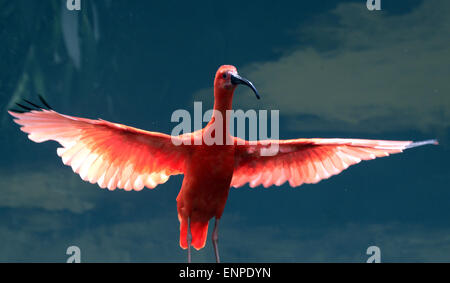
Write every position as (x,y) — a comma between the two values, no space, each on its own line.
(223,101)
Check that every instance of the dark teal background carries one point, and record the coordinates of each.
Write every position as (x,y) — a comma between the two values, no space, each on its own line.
(332,68)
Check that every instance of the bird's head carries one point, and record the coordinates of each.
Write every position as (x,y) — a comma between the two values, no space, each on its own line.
(227,79)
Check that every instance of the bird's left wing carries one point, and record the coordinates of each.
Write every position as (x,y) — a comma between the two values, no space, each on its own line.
(109,154)
(307,161)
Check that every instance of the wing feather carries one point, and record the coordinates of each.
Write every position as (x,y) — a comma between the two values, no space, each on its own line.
(306,160)
(109,154)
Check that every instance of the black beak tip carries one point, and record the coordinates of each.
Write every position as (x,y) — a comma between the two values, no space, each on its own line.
(236,79)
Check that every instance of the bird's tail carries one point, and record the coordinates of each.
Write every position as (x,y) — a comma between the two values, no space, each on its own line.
(199,232)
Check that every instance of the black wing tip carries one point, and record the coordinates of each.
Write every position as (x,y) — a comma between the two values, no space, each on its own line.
(422,143)
(32,104)
(17,111)
(45,102)
(27,106)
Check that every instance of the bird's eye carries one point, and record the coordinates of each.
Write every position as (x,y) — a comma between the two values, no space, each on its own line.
(224,76)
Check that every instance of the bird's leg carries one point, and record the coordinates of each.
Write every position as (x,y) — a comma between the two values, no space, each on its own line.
(189,239)
(215,240)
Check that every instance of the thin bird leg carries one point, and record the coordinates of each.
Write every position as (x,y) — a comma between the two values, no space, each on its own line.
(215,240)
(189,239)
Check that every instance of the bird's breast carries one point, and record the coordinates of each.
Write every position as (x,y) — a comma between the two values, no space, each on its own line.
(207,180)
(212,164)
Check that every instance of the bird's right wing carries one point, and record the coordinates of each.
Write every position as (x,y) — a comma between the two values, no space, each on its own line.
(109,154)
(306,161)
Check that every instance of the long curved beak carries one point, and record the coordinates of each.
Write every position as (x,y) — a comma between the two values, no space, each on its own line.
(238,80)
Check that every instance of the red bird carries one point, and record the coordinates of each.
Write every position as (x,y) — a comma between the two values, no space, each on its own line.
(117,156)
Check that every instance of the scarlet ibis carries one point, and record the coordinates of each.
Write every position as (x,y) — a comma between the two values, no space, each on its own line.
(118,156)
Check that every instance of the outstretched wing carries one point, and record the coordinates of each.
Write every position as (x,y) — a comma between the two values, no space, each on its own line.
(109,154)
(307,161)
